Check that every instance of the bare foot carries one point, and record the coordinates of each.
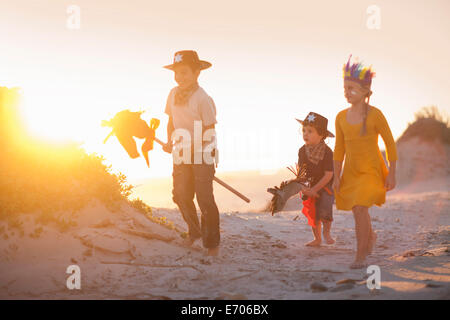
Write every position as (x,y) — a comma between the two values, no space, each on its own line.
(314,243)
(329,239)
(188,242)
(358,264)
(213,252)
(371,243)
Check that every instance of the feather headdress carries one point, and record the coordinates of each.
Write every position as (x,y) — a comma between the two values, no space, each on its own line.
(356,71)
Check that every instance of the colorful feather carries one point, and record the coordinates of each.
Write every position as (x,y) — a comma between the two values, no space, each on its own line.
(356,71)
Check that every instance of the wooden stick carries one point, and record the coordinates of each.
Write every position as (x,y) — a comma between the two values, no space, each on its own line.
(159,141)
(223,184)
(244,275)
(147,235)
(323,270)
(109,135)
(229,188)
(152,265)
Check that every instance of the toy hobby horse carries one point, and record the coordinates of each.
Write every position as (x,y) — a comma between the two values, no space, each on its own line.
(125,126)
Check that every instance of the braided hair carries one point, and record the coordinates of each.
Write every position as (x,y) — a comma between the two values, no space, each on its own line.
(365,112)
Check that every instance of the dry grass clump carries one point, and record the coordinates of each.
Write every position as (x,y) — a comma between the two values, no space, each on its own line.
(40,176)
(430,124)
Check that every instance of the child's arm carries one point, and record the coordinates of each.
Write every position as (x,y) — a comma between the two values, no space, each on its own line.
(300,166)
(322,182)
(338,155)
(391,150)
(337,165)
(328,172)
(339,147)
(385,132)
(170,128)
(390,179)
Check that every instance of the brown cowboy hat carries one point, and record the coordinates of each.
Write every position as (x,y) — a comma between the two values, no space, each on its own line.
(317,121)
(188,57)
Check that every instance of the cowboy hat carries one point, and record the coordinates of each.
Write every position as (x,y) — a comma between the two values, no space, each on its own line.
(317,121)
(188,57)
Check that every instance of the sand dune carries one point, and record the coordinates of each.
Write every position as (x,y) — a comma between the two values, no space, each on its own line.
(124,255)
(262,257)
(422,161)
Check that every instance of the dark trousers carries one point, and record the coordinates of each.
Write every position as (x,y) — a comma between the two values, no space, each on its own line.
(190,179)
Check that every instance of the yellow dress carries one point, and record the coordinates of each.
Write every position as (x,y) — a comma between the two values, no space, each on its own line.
(364,173)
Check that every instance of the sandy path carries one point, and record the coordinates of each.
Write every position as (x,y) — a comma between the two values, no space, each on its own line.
(262,257)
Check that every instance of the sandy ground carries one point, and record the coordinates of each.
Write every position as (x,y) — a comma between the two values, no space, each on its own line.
(262,257)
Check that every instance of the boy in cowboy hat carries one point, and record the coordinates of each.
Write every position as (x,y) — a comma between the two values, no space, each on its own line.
(315,160)
(189,109)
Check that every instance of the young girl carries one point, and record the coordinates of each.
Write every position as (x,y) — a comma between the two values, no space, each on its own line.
(365,178)
(317,159)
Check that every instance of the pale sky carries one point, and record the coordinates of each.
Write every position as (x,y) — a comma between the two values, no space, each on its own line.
(273,61)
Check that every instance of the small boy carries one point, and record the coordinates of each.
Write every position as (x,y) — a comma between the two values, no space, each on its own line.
(317,158)
(188,107)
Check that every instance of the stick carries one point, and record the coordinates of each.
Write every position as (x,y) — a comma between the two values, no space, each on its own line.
(243,275)
(323,270)
(109,135)
(223,184)
(152,265)
(147,235)
(226,186)
(159,141)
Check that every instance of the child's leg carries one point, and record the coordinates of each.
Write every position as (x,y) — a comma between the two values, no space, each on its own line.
(210,221)
(183,196)
(317,236)
(324,212)
(372,238)
(326,232)
(362,229)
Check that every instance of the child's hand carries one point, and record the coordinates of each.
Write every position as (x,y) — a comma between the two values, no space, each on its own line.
(336,184)
(310,193)
(390,181)
(168,147)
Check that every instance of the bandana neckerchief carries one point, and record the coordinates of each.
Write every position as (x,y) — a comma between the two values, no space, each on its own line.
(315,153)
(182,95)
